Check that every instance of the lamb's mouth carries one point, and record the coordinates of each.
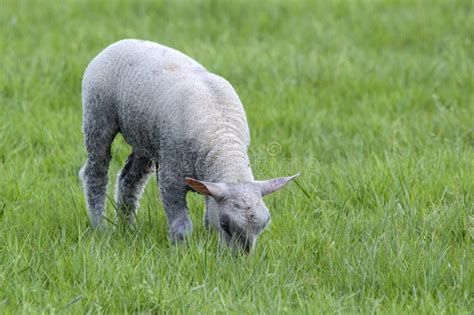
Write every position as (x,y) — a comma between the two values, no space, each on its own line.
(240,244)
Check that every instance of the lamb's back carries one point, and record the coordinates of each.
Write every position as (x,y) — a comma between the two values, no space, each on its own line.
(130,68)
(158,92)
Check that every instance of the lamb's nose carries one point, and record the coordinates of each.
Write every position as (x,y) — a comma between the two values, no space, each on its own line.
(247,246)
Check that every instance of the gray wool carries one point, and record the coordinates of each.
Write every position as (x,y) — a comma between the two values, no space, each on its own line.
(178,118)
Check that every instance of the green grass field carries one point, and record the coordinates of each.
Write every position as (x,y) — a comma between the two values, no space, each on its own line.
(373,101)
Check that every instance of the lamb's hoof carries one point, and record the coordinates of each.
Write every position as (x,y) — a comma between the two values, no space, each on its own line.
(97,223)
(125,221)
(179,230)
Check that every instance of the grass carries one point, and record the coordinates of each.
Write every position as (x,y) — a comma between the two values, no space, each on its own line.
(373,101)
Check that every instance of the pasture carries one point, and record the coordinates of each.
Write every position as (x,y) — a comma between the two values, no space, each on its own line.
(372,101)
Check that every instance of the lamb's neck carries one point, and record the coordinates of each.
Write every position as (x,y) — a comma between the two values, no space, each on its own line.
(227,162)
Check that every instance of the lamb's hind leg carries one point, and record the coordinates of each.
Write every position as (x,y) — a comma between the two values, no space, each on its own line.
(130,184)
(98,141)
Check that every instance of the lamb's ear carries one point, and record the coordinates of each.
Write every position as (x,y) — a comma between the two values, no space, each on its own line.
(216,190)
(269,186)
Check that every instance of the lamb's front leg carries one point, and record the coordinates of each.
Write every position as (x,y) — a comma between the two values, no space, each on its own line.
(173,195)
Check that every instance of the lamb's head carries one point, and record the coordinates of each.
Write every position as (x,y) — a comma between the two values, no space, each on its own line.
(237,211)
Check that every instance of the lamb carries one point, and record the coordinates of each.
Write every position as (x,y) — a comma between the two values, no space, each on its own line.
(181,121)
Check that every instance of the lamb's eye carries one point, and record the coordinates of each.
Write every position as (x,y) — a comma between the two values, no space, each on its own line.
(236,205)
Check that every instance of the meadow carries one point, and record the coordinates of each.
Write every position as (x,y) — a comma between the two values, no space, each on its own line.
(372,101)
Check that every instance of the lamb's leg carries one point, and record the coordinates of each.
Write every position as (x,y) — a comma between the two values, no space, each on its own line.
(173,195)
(94,173)
(100,129)
(130,184)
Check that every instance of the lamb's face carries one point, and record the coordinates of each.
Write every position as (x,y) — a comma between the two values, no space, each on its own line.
(237,211)
(240,217)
